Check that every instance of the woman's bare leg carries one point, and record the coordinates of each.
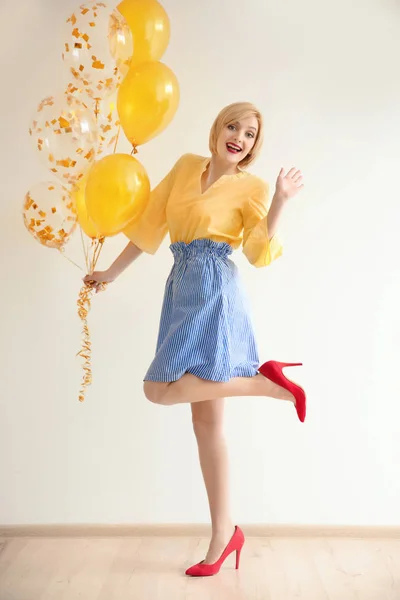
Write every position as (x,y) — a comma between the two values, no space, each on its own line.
(207,418)
(190,389)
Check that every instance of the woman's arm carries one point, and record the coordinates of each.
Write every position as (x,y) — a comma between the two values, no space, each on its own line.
(287,186)
(122,262)
(274,214)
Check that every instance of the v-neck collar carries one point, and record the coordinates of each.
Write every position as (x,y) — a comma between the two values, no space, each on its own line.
(228,176)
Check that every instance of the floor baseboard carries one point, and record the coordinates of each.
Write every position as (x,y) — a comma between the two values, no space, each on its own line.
(198,530)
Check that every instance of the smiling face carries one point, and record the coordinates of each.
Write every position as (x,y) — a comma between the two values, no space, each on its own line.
(237,139)
(237,135)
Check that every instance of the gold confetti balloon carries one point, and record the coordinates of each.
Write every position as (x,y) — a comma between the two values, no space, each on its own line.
(106,116)
(66,135)
(49,214)
(108,124)
(120,41)
(97,42)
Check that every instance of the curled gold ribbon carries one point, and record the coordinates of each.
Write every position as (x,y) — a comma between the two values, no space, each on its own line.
(86,351)
(84,299)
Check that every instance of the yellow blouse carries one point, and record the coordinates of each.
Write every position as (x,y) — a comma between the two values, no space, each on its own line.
(232,210)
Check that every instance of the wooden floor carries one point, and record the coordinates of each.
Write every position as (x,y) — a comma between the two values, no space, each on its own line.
(152,568)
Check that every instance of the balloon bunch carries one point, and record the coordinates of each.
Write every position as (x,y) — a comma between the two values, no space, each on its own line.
(112,52)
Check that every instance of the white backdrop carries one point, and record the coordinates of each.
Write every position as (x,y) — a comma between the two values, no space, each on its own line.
(326,76)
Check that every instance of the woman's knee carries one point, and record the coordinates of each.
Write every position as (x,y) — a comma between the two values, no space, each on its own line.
(154,391)
(148,391)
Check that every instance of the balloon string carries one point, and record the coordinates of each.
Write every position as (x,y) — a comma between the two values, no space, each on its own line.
(84,306)
(116,141)
(84,250)
(97,246)
(134,149)
(62,252)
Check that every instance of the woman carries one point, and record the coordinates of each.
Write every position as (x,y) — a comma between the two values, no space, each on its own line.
(206,349)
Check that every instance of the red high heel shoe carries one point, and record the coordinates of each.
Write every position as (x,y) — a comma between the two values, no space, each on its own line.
(273,371)
(205,570)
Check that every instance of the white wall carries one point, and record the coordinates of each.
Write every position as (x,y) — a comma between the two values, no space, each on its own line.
(326,75)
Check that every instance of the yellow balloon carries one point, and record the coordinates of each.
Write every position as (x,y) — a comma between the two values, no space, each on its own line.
(147,101)
(117,190)
(78,197)
(150,28)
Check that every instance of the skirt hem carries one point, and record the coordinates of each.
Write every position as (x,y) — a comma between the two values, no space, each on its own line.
(214,379)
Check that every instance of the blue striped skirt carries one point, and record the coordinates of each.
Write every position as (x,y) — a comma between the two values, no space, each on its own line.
(205,327)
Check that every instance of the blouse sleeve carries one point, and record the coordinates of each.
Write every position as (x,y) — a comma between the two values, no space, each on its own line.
(149,230)
(257,247)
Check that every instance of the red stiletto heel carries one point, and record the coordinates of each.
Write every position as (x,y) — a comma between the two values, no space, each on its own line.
(273,371)
(238,558)
(204,570)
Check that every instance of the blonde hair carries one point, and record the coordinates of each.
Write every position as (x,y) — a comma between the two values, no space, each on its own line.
(230,114)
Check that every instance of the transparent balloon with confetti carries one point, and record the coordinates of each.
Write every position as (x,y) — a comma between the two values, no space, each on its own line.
(120,41)
(49,214)
(97,47)
(106,116)
(108,124)
(66,135)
